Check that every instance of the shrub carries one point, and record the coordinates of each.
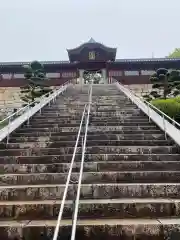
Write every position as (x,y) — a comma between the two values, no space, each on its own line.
(170,107)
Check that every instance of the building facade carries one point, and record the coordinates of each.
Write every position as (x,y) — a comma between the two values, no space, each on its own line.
(90,56)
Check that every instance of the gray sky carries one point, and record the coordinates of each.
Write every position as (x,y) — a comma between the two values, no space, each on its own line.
(44,29)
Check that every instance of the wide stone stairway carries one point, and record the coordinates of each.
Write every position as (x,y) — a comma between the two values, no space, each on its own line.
(130,184)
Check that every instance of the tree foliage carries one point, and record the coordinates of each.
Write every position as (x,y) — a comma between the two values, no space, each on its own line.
(97,78)
(37,83)
(165,83)
(175,53)
(87,77)
(91,77)
(170,107)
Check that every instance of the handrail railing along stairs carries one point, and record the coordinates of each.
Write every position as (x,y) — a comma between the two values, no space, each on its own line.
(85,119)
(22,115)
(154,114)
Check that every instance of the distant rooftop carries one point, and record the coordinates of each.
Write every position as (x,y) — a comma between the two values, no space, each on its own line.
(148,60)
(117,60)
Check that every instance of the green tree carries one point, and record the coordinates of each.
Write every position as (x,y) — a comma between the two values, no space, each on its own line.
(37,83)
(87,77)
(175,53)
(165,83)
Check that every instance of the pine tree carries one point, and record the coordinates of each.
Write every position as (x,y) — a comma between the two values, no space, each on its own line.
(165,83)
(37,83)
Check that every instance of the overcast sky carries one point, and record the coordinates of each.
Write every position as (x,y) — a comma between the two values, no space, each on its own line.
(44,29)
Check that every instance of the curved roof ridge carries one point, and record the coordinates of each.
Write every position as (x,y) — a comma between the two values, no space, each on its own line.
(91,40)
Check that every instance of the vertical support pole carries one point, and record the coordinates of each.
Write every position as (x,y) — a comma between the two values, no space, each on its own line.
(82,142)
(40,111)
(81,80)
(164,127)
(40,108)
(149,113)
(104,75)
(7,139)
(28,114)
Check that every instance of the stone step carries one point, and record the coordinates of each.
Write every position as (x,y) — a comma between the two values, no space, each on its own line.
(98,121)
(36,149)
(57,167)
(99,104)
(79,104)
(38,124)
(90,209)
(134,128)
(93,114)
(93,118)
(90,191)
(66,158)
(94,132)
(91,177)
(102,112)
(56,144)
(118,137)
(93,109)
(88,158)
(126,229)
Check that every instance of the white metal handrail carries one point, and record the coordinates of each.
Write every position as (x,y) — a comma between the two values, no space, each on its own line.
(27,106)
(27,113)
(56,232)
(162,113)
(165,116)
(152,106)
(165,125)
(73,233)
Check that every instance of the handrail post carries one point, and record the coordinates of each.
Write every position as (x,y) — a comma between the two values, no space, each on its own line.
(40,111)
(149,113)
(7,139)
(29,107)
(49,103)
(164,126)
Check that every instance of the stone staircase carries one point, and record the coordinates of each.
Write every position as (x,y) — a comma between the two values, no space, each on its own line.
(130,185)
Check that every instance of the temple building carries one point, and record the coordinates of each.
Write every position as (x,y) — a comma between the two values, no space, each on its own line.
(90,56)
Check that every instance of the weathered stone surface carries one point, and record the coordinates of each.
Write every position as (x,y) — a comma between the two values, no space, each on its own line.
(130,183)
(104,166)
(110,230)
(91,177)
(104,137)
(38,149)
(47,142)
(90,209)
(90,191)
(66,158)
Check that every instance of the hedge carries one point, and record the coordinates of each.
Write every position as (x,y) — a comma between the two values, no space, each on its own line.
(170,107)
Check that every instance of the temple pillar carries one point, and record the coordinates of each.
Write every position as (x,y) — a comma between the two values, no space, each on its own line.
(104,75)
(81,79)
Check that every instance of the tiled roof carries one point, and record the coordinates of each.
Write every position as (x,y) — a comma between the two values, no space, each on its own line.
(24,63)
(116,61)
(148,60)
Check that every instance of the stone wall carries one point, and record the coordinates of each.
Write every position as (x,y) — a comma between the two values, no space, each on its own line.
(140,89)
(9,99)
